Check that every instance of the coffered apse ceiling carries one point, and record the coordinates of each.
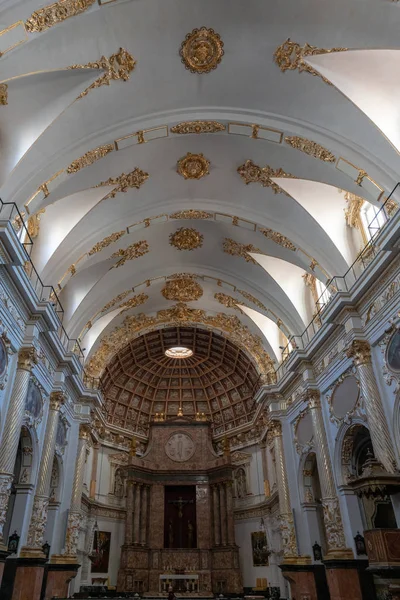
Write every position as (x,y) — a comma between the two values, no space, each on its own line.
(175,159)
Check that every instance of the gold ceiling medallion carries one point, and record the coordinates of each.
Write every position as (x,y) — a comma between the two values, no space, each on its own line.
(55,13)
(198,127)
(237,249)
(231,325)
(311,148)
(117,68)
(184,289)
(133,251)
(134,179)
(193,166)
(228,301)
(90,157)
(202,50)
(278,238)
(191,214)
(3,94)
(110,239)
(133,302)
(186,238)
(252,173)
(289,57)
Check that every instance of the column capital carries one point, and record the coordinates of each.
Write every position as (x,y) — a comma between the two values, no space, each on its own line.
(359,351)
(313,397)
(275,427)
(27,358)
(84,432)
(57,399)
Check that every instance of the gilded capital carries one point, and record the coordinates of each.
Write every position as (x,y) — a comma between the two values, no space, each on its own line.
(359,351)
(314,398)
(132,451)
(275,427)
(27,358)
(84,432)
(57,399)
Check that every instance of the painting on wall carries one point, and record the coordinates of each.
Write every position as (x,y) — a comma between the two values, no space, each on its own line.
(101,549)
(260,549)
(393,353)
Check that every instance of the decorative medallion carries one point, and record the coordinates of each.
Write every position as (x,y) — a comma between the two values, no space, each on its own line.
(90,157)
(191,214)
(311,148)
(3,94)
(344,398)
(202,50)
(46,17)
(180,447)
(186,238)
(134,179)
(193,166)
(252,173)
(133,251)
(110,239)
(237,249)
(184,289)
(198,127)
(278,238)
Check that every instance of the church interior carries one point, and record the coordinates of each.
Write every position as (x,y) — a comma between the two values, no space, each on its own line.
(199,300)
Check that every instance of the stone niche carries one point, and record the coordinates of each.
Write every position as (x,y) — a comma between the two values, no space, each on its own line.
(180,494)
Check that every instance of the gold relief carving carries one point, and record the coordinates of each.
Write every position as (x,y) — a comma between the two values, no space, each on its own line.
(27,358)
(278,238)
(178,314)
(228,301)
(117,68)
(237,249)
(186,238)
(314,398)
(252,173)
(132,252)
(133,302)
(89,158)
(391,207)
(72,270)
(3,94)
(110,239)
(57,399)
(193,166)
(33,224)
(202,50)
(360,176)
(84,432)
(359,351)
(289,57)
(252,299)
(275,428)
(115,301)
(191,214)
(333,524)
(55,13)
(352,212)
(123,183)
(184,289)
(311,148)
(198,127)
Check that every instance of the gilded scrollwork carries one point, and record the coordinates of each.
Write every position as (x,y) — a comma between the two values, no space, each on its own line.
(133,302)
(3,94)
(124,182)
(183,289)
(278,238)
(90,157)
(253,299)
(237,249)
(311,148)
(186,238)
(202,50)
(191,214)
(105,242)
(228,301)
(252,173)
(135,250)
(198,127)
(50,15)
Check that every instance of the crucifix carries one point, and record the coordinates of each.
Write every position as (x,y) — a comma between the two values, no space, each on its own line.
(180,504)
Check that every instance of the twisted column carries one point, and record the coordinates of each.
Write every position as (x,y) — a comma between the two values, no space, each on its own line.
(41,500)
(136,516)
(222,508)
(143,519)
(229,513)
(93,478)
(27,358)
(129,512)
(360,352)
(75,513)
(217,520)
(263,448)
(330,502)
(285,508)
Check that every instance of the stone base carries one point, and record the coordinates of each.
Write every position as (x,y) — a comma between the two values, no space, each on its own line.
(58,579)
(3,555)
(343,577)
(23,579)
(307,581)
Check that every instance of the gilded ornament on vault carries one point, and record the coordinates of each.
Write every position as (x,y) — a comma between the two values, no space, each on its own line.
(115,301)
(186,238)
(3,94)
(202,50)
(253,299)
(133,302)
(90,157)
(134,179)
(193,166)
(198,127)
(185,289)
(237,249)
(46,17)
(311,148)
(228,301)
(132,252)
(110,239)
(191,214)
(252,173)
(278,238)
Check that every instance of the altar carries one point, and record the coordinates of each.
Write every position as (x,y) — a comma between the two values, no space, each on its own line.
(182,583)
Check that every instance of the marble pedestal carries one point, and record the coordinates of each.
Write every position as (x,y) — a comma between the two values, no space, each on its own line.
(307,581)
(57,579)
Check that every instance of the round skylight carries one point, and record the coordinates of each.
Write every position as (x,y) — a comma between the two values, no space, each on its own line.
(179,352)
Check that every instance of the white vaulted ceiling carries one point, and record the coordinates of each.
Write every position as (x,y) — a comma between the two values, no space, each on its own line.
(44,127)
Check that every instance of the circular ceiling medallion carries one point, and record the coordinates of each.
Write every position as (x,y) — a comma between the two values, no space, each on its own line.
(202,50)
(180,447)
(186,238)
(179,352)
(193,166)
(393,353)
(182,290)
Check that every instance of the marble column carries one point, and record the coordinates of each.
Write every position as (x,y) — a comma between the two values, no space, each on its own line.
(330,502)
(285,509)
(143,517)
(75,513)
(27,358)
(41,500)
(216,515)
(360,352)
(229,513)
(267,487)
(129,512)
(136,516)
(222,510)
(93,477)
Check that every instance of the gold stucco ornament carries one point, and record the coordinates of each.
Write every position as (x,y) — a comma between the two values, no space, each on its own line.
(202,50)
(184,289)
(186,238)
(193,166)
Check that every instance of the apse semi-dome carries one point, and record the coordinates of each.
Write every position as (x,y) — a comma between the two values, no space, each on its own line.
(218,381)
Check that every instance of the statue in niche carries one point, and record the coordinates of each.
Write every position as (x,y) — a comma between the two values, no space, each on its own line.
(190,533)
(241,486)
(118,485)
(170,534)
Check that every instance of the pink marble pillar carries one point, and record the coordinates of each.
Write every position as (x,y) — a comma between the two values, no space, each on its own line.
(222,509)
(216,516)
(229,513)
(143,519)
(136,516)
